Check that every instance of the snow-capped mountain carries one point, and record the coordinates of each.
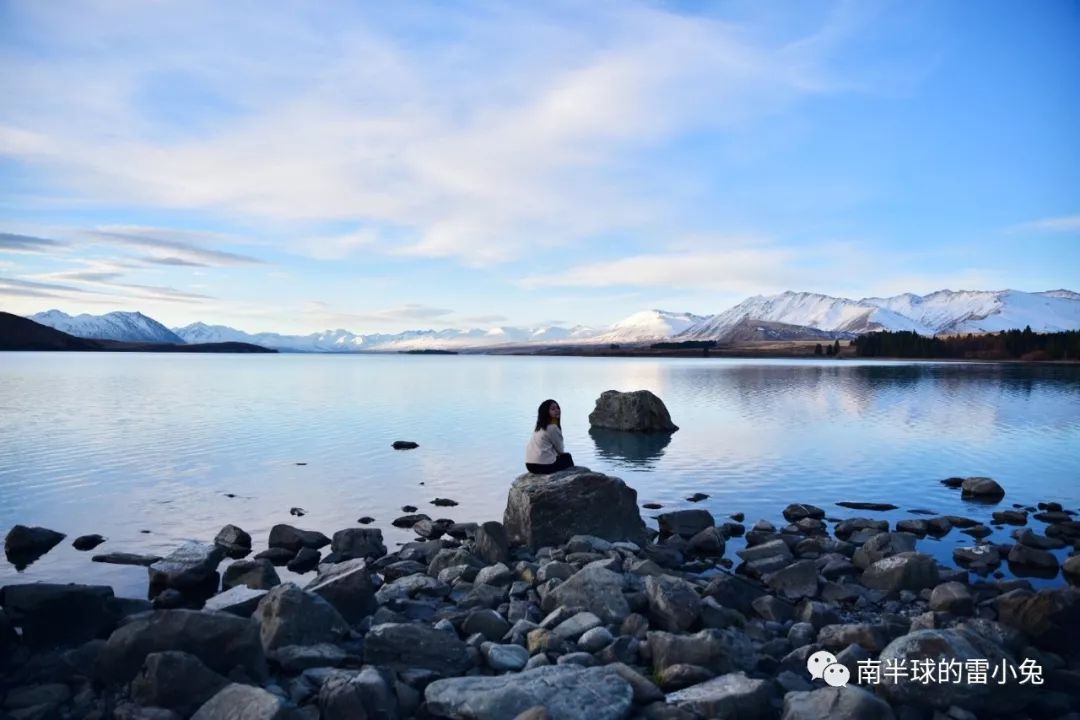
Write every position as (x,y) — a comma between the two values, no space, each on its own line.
(648,325)
(123,326)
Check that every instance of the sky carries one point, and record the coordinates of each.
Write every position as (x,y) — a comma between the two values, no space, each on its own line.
(292,166)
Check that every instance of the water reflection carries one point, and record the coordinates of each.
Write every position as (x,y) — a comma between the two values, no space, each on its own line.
(632,450)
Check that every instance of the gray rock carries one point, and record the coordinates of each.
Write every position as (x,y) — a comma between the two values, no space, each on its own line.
(305,561)
(87,542)
(581,659)
(292,538)
(1051,618)
(685,523)
(23,545)
(53,615)
(881,546)
(236,542)
(366,694)
(1071,569)
(496,575)
(403,646)
(674,604)
(709,542)
(123,558)
(842,703)
(178,681)
(189,566)
(733,695)
(131,711)
(981,488)
(488,623)
(1024,557)
(412,586)
(978,557)
(721,651)
(554,569)
(244,702)
(505,658)
(550,509)
(491,543)
(801,511)
(297,658)
(564,691)
(836,637)
(594,589)
(906,571)
(276,555)
(645,691)
(240,600)
(221,641)
(353,543)
(952,597)
(348,587)
(290,616)
(770,607)
(577,625)
(795,581)
(595,640)
(255,574)
(637,411)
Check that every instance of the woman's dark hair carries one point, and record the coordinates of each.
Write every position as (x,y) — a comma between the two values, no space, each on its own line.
(543,414)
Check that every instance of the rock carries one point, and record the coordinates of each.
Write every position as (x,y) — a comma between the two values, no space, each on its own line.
(550,509)
(1071,569)
(577,625)
(843,703)
(444,502)
(1051,618)
(408,521)
(978,532)
(697,497)
(770,607)
(122,558)
(491,544)
(685,523)
(366,694)
(254,574)
(948,645)
(354,543)
(952,597)
(240,600)
(221,641)
(674,605)
(348,587)
(23,545)
(676,677)
(1024,558)
(734,592)
(879,507)
(404,445)
(402,646)
(733,695)
(298,658)
(1034,540)
(365,520)
(864,635)
(177,681)
(48,696)
(709,542)
(291,538)
(290,616)
(981,488)
(918,528)
(53,615)
(564,692)
(496,575)
(800,511)
(795,581)
(881,546)
(652,506)
(979,557)
(594,589)
(235,541)
(595,640)
(276,555)
(1011,517)
(87,542)
(486,622)
(718,650)
(244,702)
(190,565)
(305,561)
(504,658)
(906,571)
(637,411)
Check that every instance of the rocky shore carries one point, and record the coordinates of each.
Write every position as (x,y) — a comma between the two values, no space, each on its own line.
(571,607)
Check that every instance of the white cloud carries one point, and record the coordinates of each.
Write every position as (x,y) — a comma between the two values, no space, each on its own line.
(1062,224)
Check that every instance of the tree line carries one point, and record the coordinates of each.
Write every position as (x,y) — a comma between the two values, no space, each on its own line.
(1005,345)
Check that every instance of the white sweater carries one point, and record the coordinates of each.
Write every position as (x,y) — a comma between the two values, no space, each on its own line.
(544,445)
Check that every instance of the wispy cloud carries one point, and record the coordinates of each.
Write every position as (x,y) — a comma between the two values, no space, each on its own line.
(181,247)
(11,242)
(1062,224)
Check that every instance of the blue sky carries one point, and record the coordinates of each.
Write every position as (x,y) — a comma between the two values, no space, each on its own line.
(297,166)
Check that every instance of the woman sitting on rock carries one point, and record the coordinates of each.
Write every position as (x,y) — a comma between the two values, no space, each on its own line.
(545,452)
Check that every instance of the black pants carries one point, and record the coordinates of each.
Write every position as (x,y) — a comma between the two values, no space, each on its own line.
(562,462)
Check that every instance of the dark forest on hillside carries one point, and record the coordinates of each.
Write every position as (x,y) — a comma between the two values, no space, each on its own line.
(1005,345)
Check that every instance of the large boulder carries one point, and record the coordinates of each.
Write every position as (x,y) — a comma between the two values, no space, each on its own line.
(906,571)
(355,543)
(1051,618)
(732,695)
(637,411)
(563,691)
(290,616)
(255,574)
(721,651)
(191,565)
(366,694)
(23,545)
(594,589)
(235,541)
(674,604)
(403,646)
(550,509)
(244,702)
(836,703)
(177,681)
(292,539)
(51,615)
(981,488)
(348,587)
(240,600)
(491,543)
(220,640)
(686,523)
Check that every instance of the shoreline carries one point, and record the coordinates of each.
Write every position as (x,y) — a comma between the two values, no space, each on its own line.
(650,624)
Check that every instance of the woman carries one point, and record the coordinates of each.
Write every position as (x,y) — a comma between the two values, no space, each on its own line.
(545,453)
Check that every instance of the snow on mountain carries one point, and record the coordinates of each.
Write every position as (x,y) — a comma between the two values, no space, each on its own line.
(647,325)
(976,311)
(124,326)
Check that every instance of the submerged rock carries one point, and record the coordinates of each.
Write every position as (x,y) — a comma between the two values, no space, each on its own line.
(981,488)
(292,539)
(637,411)
(23,545)
(87,542)
(550,509)
(122,558)
(404,445)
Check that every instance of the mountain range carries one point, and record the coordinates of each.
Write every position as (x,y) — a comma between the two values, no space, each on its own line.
(786,316)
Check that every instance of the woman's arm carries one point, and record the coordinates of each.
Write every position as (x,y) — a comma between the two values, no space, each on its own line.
(554,433)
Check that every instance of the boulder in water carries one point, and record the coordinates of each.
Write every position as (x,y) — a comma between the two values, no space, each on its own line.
(637,411)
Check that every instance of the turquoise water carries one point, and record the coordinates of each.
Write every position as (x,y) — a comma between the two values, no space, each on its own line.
(120,443)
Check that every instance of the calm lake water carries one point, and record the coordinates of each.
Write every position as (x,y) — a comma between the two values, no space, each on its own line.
(119,444)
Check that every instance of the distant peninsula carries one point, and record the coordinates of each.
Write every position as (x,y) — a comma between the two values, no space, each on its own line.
(19,333)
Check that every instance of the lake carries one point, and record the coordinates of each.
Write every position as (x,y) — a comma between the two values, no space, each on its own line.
(146,448)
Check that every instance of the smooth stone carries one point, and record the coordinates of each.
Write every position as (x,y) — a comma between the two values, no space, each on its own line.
(355,543)
(952,597)
(982,488)
(244,702)
(594,589)
(122,558)
(505,658)
(52,615)
(87,542)
(636,411)
(292,538)
(240,600)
